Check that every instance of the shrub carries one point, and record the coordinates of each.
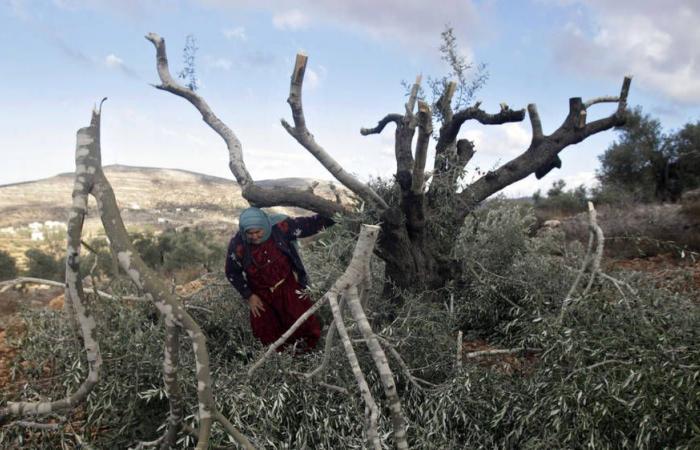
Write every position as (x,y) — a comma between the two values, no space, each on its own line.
(43,265)
(180,249)
(560,202)
(8,266)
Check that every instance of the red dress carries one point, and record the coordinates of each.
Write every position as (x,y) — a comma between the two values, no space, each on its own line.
(271,278)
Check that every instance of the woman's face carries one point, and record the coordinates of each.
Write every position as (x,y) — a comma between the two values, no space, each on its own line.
(255,235)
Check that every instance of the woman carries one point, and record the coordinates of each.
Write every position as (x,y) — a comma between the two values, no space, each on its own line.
(265,268)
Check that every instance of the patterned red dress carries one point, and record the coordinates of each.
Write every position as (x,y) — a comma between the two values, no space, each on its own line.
(272,279)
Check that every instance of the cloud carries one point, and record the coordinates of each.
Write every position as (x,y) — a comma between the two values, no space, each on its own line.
(237,33)
(112,61)
(290,20)
(504,141)
(656,42)
(415,23)
(313,78)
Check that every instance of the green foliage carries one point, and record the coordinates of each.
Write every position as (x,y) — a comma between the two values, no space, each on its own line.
(8,266)
(620,370)
(459,71)
(99,255)
(189,72)
(560,201)
(180,249)
(649,165)
(114,414)
(43,265)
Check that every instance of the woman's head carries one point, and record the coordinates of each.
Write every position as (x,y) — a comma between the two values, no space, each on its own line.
(255,225)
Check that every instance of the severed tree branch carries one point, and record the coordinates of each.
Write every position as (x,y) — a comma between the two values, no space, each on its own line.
(595,234)
(301,133)
(395,118)
(425,130)
(88,152)
(542,152)
(75,303)
(256,195)
(446,160)
(444,103)
(171,361)
(385,375)
(371,409)
(536,123)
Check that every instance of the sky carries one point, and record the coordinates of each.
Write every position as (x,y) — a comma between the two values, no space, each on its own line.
(60,57)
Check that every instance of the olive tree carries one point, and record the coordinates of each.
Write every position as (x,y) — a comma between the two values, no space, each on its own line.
(416,256)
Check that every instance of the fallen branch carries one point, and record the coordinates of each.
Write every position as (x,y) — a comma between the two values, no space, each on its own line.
(371,410)
(594,259)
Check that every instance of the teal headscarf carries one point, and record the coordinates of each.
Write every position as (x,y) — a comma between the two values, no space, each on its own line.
(257,218)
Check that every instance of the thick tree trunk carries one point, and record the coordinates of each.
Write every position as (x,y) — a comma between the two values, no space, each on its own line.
(414,261)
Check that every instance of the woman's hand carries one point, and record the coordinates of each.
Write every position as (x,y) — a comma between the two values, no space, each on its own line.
(256,305)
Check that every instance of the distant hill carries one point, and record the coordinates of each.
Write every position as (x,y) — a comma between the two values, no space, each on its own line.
(149,198)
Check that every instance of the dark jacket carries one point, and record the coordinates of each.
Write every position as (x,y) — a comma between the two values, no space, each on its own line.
(238,258)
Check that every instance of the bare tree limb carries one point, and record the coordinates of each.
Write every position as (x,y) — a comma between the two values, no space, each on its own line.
(579,275)
(75,303)
(604,99)
(413,96)
(425,130)
(460,349)
(595,234)
(415,381)
(395,118)
(535,122)
(596,365)
(171,361)
(385,374)
(444,103)
(445,164)
(255,194)
(540,153)
(505,115)
(500,351)
(371,410)
(300,132)
(89,162)
(600,241)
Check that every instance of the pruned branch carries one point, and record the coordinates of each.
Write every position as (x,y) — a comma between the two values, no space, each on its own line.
(90,179)
(413,96)
(372,411)
(505,115)
(542,152)
(75,303)
(389,118)
(425,130)
(255,194)
(385,375)
(536,123)
(594,259)
(444,103)
(446,159)
(301,133)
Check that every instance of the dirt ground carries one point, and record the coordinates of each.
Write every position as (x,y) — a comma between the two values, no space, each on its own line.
(667,270)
